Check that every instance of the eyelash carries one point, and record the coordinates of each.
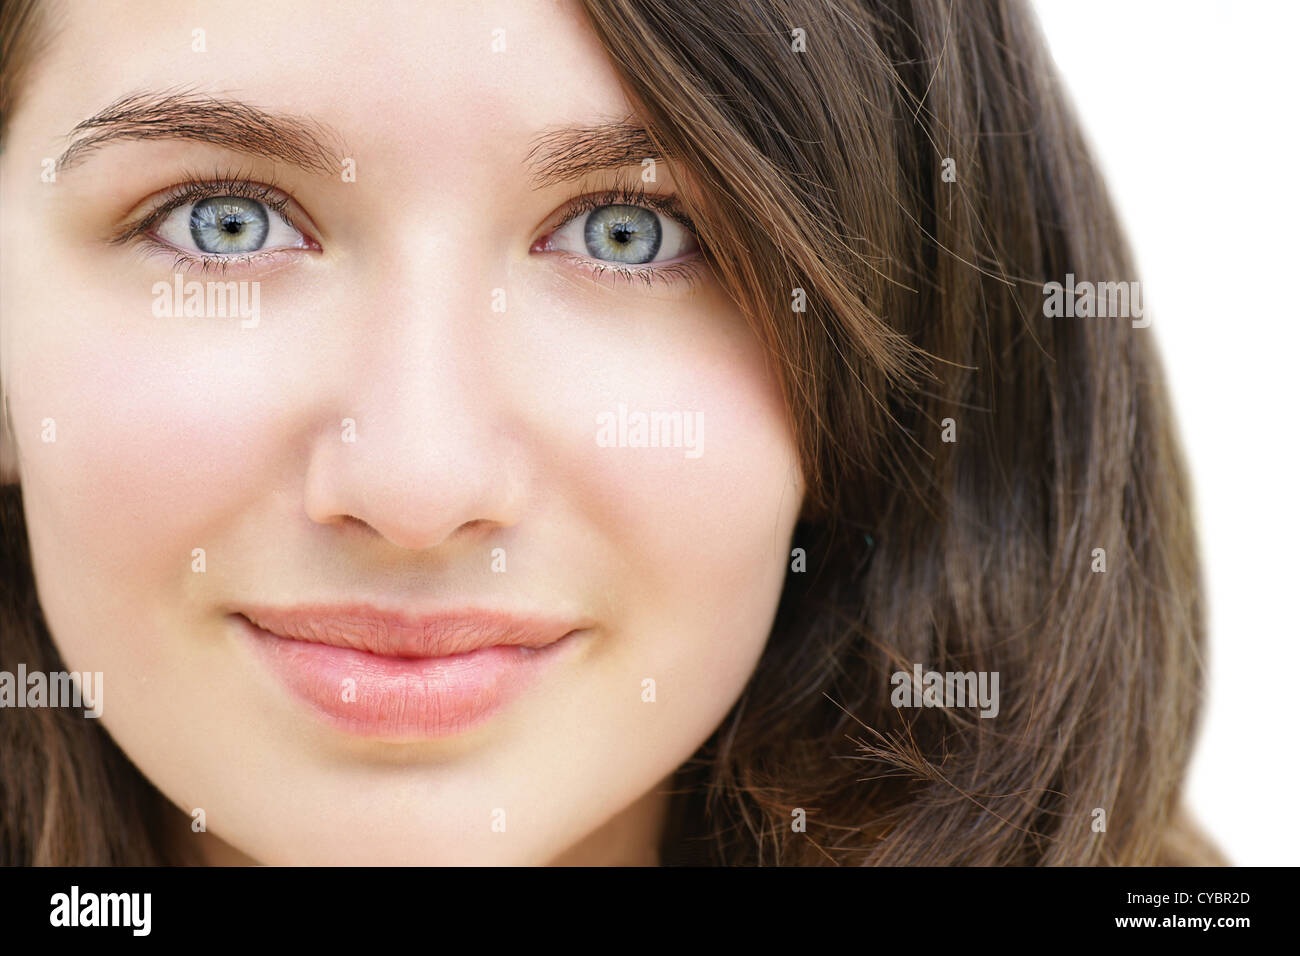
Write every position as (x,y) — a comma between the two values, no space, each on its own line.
(195,189)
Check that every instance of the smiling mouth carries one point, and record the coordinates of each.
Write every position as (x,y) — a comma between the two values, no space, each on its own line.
(381,674)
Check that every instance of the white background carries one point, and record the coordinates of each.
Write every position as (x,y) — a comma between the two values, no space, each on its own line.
(1191,108)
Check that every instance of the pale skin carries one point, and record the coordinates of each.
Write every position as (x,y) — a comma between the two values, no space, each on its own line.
(475,430)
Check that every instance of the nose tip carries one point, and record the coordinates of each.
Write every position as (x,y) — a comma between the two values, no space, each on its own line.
(417,488)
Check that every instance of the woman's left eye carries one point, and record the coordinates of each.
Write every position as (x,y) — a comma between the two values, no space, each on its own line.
(227,226)
(625,235)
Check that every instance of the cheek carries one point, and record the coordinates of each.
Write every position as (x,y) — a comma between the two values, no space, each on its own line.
(142,435)
(690,539)
(158,436)
(165,425)
(704,516)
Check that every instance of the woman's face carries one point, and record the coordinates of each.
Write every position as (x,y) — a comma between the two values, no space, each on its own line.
(425,404)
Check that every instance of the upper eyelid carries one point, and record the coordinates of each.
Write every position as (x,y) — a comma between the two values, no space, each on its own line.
(630,196)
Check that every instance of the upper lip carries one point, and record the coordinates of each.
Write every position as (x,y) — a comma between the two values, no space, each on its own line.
(364,627)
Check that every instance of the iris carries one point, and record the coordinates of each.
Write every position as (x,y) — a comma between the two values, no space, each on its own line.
(226,224)
(623,234)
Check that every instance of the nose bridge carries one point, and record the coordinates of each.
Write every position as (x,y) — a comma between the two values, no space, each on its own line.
(420,448)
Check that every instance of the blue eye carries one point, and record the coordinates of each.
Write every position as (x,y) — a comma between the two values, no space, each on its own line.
(229,224)
(625,235)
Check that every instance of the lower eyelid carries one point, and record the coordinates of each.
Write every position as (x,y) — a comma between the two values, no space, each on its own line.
(685,271)
(261,262)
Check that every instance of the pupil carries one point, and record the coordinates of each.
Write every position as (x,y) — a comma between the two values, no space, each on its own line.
(622,233)
(231,224)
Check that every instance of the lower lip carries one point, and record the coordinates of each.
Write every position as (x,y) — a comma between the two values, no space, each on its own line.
(371,695)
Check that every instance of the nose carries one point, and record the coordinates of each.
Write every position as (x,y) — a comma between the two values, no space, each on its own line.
(421,447)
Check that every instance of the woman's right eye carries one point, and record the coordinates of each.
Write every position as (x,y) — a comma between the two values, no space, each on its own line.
(220,226)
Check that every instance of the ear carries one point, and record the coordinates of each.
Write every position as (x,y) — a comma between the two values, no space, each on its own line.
(8,446)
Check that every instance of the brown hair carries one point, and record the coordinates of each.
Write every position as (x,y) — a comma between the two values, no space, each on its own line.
(814,138)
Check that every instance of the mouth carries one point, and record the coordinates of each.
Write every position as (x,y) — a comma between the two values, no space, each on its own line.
(374,673)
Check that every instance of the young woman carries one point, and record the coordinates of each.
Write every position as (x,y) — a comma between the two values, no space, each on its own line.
(630,432)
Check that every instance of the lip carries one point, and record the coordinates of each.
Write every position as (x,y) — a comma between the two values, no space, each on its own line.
(378,673)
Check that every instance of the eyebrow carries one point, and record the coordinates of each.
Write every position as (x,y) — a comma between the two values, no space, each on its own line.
(557,154)
(561,154)
(229,123)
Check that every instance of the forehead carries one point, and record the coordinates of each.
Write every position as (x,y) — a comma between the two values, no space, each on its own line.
(420,80)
